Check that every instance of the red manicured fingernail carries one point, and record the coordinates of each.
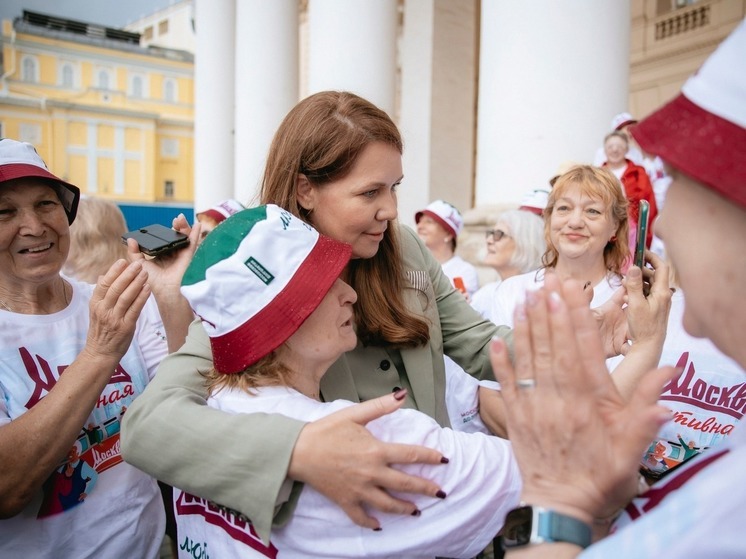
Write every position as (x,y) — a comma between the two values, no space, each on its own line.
(416,512)
(444,460)
(440,494)
(400,394)
(377,529)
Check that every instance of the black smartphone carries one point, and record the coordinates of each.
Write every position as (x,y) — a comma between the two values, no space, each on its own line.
(157,239)
(642,233)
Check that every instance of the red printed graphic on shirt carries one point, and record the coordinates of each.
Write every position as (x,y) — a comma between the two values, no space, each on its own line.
(237,526)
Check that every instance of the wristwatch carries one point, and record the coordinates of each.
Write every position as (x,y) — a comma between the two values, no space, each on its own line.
(528,525)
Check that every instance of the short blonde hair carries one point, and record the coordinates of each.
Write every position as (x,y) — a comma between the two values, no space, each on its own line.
(95,239)
(601,184)
(268,371)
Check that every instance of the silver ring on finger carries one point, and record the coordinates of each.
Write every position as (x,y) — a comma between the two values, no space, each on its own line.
(525,383)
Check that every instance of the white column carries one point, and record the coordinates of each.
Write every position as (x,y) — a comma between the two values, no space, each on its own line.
(266,79)
(438,91)
(552,75)
(213,101)
(415,121)
(352,46)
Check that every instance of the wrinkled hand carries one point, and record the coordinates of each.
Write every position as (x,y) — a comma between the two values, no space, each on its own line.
(166,270)
(611,323)
(115,306)
(577,441)
(340,458)
(647,316)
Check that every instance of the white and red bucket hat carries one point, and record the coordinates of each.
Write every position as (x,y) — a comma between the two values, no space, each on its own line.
(223,210)
(445,214)
(19,160)
(255,279)
(702,132)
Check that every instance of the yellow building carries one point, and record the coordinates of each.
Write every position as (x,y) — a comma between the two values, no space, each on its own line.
(106,114)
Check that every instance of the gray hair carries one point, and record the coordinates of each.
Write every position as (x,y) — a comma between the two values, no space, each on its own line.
(527,231)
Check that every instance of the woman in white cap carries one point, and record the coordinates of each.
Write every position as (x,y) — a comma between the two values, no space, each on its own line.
(73,357)
(634,180)
(335,162)
(697,511)
(266,287)
(211,217)
(439,226)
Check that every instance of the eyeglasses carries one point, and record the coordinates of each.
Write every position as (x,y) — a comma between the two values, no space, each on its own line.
(495,234)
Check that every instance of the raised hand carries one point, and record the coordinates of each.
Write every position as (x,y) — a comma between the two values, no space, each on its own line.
(577,441)
(115,305)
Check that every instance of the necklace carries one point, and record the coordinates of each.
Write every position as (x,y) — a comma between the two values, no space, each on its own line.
(64,294)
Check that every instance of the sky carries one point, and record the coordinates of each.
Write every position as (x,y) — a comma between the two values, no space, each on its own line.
(111,13)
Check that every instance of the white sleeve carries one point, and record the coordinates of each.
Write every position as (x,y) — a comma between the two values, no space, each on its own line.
(4,415)
(504,303)
(151,336)
(481,481)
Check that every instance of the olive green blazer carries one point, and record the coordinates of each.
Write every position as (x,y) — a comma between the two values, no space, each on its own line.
(241,461)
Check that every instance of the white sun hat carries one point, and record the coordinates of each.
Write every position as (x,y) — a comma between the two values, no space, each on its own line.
(445,214)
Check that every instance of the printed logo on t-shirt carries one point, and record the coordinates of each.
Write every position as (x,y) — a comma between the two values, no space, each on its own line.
(236,526)
(96,448)
(706,409)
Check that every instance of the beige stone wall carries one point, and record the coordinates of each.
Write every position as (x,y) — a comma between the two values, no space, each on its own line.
(669,44)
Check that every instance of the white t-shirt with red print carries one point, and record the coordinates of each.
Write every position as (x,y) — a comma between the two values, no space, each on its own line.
(94,504)
(481,481)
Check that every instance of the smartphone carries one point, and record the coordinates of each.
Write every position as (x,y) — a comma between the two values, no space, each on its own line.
(458,283)
(642,233)
(157,239)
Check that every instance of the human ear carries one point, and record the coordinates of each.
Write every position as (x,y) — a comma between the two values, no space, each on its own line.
(304,192)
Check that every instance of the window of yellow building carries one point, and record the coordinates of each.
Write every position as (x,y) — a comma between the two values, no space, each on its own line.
(170,90)
(29,69)
(168,189)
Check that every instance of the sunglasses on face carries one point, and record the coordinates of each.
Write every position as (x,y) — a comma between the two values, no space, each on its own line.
(495,234)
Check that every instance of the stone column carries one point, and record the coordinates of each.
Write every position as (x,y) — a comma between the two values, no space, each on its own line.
(214,101)
(552,76)
(352,46)
(266,84)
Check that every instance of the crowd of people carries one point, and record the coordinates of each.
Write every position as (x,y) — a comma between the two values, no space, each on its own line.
(314,379)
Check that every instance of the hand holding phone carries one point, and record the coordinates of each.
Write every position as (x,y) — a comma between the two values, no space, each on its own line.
(642,233)
(156,239)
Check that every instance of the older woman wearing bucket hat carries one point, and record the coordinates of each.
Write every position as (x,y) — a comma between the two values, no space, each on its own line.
(266,287)
(439,225)
(697,510)
(72,359)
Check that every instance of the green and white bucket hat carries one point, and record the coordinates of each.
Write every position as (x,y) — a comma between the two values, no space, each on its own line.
(255,279)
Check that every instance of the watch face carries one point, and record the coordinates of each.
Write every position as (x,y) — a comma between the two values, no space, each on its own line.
(517,529)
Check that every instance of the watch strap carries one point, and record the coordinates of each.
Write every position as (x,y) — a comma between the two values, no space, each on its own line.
(556,527)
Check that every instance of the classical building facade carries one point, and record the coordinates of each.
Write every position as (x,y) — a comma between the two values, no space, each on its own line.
(105,113)
(492,97)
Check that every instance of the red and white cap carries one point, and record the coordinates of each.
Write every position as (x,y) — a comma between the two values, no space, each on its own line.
(20,160)
(255,279)
(702,132)
(621,120)
(444,214)
(223,210)
(535,201)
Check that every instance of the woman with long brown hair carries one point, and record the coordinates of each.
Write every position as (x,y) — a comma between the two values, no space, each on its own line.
(335,162)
